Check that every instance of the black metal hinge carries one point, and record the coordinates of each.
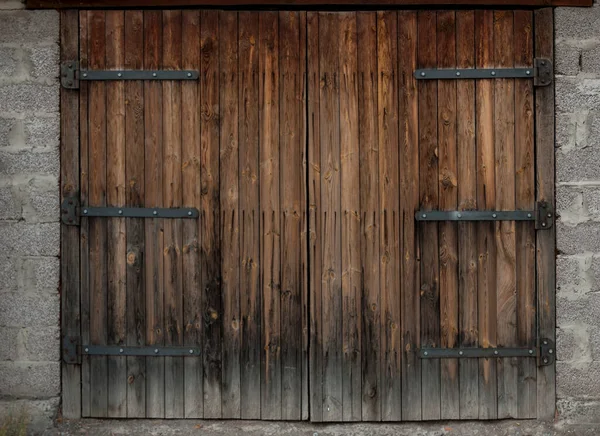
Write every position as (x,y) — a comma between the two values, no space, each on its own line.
(71,212)
(70,74)
(541,72)
(545,352)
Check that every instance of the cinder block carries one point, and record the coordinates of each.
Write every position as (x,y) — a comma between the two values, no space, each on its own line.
(30,379)
(40,344)
(10,60)
(566,59)
(573,343)
(9,343)
(45,61)
(578,380)
(590,60)
(31,97)
(10,129)
(10,207)
(574,93)
(29,161)
(577,23)
(38,274)
(584,237)
(42,132)
(41,413)
(18,309)
(580,412)
(29,239)
(575,276)
(8,273)
(29,26)
(584,309)
(578,165)
(41,201)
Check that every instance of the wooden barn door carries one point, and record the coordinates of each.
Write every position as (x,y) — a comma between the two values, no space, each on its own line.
(228,286)
(392,285)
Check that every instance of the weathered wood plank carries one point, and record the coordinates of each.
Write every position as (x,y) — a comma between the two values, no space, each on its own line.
(153,229)
(210,254)
(486,200)
(525,199)
(390,234)
(467,200)
(229,164)
(504,114)
(190,164)
(429,200)
(134,197)
(97,236)
(448,192)
(172,197)
(269,180)
(84,240)
(408,111)
(116,234)
(250,303)
(314,220)
(369,215)
(70,256)
(290,200)
(545,239)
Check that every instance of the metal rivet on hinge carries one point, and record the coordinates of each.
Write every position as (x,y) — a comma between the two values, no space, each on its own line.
(87,350)
(153,74)
(545,342)
(543,224)
(459,216)
(424,215)
(191,351)
(190,213)
(549,215)
(422,73)
(550,351)
(458,73)
(528,215)
(84,74)
(119,75)
(545,360)
(85,211)
(155,212)
(528,72)
(496,352)
(120,350)
(530,351)
(494,215)
(156,351)
(189,74)
(425,353)
(120,212)
(460,353)
(493,73)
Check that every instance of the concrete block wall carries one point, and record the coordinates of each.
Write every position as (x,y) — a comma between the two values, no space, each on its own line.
(577,59)
(29,213)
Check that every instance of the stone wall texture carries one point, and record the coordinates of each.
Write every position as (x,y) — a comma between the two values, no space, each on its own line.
(577,59)
(29,213)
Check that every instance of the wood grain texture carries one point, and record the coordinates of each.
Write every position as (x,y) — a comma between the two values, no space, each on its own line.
(408,110)
(369,214)
(70,255)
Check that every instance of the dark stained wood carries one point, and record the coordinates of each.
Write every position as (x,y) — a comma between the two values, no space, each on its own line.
(389,236)
(98,227)
(525,199)
(448,192)
(429,200)
(486,200)
(369,214)
(229,165)
(290,158)
(210,253)
(250,296)
(409,202)
(134,196)
(314,218)
(70,256)
(504,114)
(467,200)
(190,165)
(84,240)
(116,234)
(545,239)
(53,4)
(350,220)
(153,229)
(269,179)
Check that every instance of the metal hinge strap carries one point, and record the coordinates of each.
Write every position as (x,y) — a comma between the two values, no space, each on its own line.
(71,212)
(545,353)
(71,74)
(541,72)
(121,350)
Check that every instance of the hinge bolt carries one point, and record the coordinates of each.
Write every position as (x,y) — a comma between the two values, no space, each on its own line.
(156,351)
(528,72)
(530,351)
(84,74)
(191,351)
(119,75)
(425,353)
(496,352)
(545,360)
(85,211)
(459,215)
(545,342)
(153,74)
(528,215)
(424,215)
(460,353)
(549,215)
(493,73)
(120,350)
(543,224)
(550,351)
(190,213)
(87,350)
(189,74)
(458,73)
(155,213)
(120,212)
(422,73)
(494,215)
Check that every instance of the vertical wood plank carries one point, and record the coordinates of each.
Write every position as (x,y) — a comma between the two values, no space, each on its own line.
(486,200)
(467,200)
(116,235)
(314,220)
(525,199)
(98,226)
(408,110)
(172,197)
(331,220)
(429,200)
(448,192)
(210,253)
(545,239)
(504,108)
(153,229)
(390,237)
(190,164)
(70,256)
(350,220)
(134,197)
(250,296)
(270,276)
(84,240)
(229,164)
(290,199)
(369,214)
